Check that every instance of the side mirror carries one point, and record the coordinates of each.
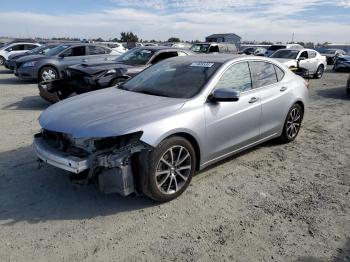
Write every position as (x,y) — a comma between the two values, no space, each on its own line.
(9,49)
(224,95)
(301,58)
(61,56)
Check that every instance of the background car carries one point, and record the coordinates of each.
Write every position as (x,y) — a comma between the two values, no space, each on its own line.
(257,51)
(15,48)
(273,48)
(310,60)
(211,47)
(42,50)
(183,114)
(332,54)
(52,65)
(88,77)
(342,63)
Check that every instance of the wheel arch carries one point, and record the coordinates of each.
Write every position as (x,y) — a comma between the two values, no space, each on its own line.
(193,141)
(48,65)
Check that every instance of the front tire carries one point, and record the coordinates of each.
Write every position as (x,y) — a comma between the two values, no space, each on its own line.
(169,170)
(2,60)
(319,72)
(292,124)
(48,73)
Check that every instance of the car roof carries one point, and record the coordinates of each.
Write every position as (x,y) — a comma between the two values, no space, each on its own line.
(159,48)
(212,58)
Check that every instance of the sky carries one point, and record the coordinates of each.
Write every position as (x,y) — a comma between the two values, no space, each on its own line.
(271,20)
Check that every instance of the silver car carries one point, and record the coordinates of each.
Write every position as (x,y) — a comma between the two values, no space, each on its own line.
(152,133)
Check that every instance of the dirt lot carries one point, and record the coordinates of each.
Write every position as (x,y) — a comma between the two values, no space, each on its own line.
(272,203)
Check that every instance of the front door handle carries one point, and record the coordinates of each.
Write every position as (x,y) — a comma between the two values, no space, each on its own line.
(283,88)
(253,100)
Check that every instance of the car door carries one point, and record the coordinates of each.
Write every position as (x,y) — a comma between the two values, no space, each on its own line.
(275,94)
(314,61)
(306,63)
(233,125)
(73,56)
(16,49)
(98,54)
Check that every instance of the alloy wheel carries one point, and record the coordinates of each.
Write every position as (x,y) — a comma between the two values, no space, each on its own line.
(173,170)
(293,123)
(48,75)
(320,72)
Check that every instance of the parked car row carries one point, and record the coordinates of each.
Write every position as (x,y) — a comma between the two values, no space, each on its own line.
(15,48)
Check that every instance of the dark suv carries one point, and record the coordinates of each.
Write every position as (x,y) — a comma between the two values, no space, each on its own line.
(52,65)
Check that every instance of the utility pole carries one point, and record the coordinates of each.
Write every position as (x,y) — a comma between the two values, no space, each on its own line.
(293,37)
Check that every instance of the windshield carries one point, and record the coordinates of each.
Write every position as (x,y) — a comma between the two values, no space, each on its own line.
(288,54)
(136,56)
(276,47)
(171,78)
(201,48)
(56,50)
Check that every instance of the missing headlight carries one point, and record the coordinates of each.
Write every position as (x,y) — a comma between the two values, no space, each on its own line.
(118,141)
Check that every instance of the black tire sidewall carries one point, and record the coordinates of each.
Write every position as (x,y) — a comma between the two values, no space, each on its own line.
(285,138)
(152,190)
(2,60)
(46,68)
(317,72)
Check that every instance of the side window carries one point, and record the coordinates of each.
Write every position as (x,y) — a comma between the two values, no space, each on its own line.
(264,74)
(312,54)
(75,51)
(213,49)
(279,73)
(163,56)
(29,47)
(236,77)
(17,47)
(97,50)
(304,54)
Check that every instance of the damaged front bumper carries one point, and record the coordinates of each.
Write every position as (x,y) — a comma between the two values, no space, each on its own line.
(112,167)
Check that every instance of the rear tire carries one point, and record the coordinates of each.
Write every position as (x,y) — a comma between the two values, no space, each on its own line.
(2,60)
(292,124)
(48,73)
(319,72)
(168,169)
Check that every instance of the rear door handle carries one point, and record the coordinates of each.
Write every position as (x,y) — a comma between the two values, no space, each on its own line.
(253,100)
(283,88)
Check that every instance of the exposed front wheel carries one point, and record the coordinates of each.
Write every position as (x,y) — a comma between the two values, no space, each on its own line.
(292,124)
(2,60)
(170,169)
(48,73)
(319,72)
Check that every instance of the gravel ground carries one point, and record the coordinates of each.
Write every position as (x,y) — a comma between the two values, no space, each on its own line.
(272,203)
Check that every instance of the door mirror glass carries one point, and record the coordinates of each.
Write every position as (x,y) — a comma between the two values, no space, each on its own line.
(9,49)
(301,58)
(225,95)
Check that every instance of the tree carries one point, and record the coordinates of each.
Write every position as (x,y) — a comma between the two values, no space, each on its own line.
(174,39)
(128,37)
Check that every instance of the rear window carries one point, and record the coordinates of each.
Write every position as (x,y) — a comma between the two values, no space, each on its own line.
(279,73)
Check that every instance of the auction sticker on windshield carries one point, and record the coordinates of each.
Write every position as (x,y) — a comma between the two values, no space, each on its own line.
(202,64)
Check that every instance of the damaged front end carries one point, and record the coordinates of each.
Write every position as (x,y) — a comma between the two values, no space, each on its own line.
(107,158)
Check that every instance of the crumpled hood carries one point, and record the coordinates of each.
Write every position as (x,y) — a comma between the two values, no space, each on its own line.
(288,62)
(29,58)
(107,112)
(91,69)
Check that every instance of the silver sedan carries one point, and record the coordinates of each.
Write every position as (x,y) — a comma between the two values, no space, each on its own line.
(151,134)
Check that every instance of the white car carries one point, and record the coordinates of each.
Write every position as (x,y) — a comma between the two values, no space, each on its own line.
(309,60)
(272,49)
(115,46)
(15,48)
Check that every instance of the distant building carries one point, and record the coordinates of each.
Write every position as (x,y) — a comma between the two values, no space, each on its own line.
(229,38)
